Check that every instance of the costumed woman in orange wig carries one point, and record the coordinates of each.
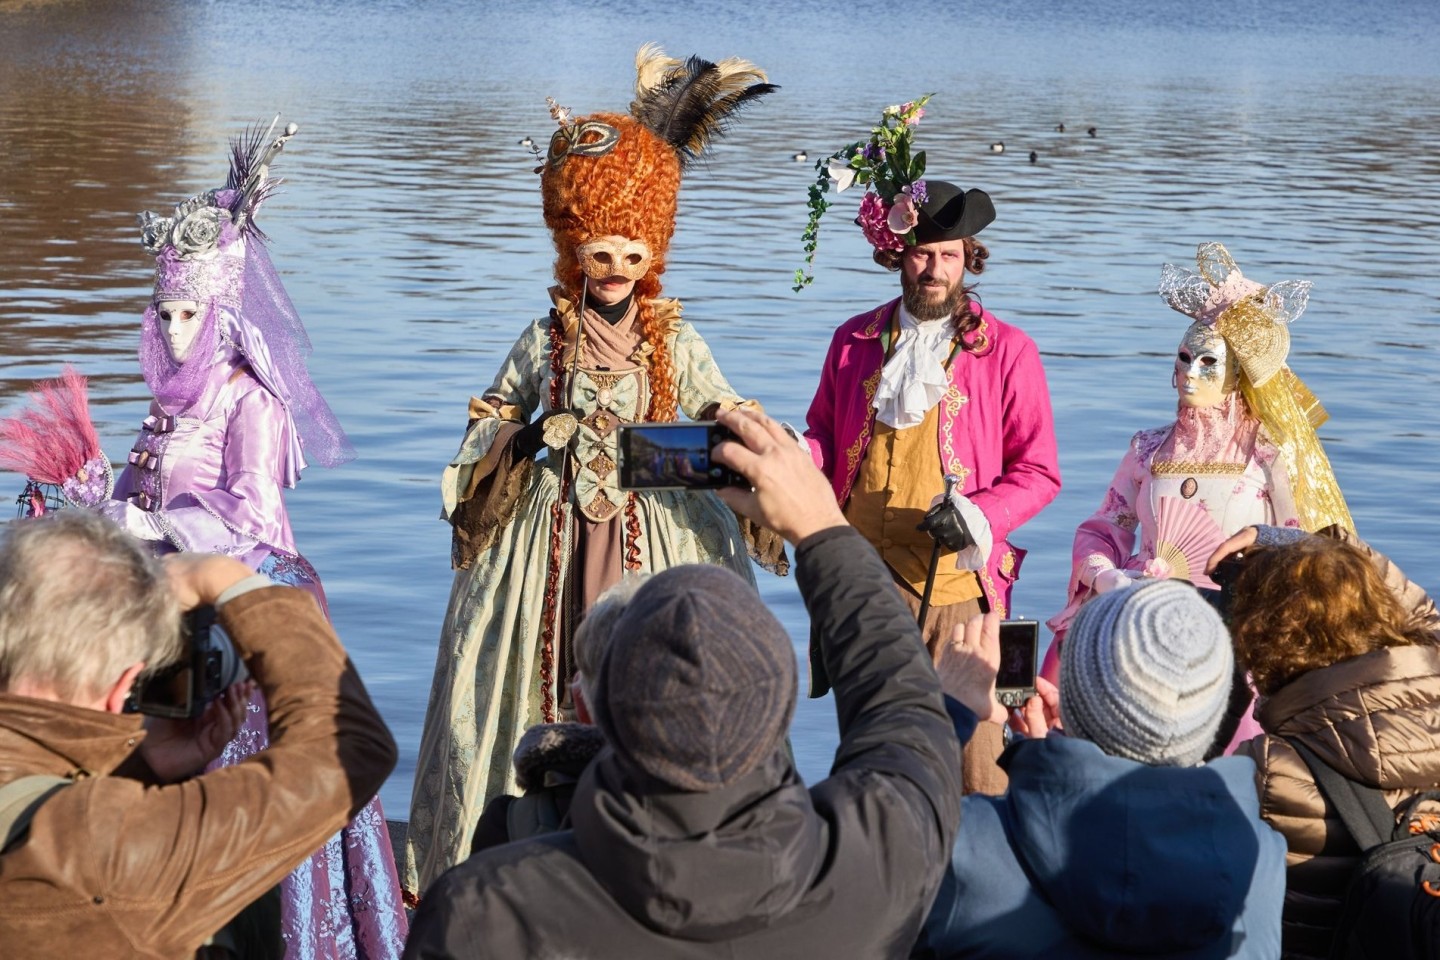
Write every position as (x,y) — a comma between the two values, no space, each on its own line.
(536,541)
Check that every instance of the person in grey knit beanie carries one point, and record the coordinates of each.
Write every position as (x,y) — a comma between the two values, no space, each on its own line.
(1145,674)
(699,682)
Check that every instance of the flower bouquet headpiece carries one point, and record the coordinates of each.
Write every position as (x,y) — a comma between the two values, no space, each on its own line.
(891,171)
(901,208)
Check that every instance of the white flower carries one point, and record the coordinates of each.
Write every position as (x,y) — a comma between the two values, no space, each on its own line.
(840,172)
(196,234)
(154,231)
(892,111)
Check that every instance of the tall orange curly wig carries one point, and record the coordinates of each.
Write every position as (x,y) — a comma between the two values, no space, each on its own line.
(612,174)
(631,191)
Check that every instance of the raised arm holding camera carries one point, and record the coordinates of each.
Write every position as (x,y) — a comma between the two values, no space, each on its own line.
(1078,859)
(106,853)
(692,833)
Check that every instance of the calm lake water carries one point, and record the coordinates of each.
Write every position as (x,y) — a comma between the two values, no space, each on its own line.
(1304,135)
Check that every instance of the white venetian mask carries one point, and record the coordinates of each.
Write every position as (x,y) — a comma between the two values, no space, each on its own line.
(180,321)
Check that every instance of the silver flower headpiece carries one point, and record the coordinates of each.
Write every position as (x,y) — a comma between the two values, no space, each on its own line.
(196,229)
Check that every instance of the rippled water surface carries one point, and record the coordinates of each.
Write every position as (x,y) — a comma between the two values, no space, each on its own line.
(1305,137)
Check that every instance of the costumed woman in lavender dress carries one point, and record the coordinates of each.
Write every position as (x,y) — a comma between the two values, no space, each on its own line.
(1242,449)
(536,542)
(236,418)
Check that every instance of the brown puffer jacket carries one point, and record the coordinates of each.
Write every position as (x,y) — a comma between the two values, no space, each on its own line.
(1372,718)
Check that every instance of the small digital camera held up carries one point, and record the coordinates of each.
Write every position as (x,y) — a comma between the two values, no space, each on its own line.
(660,456)
(184,689)
(1019,657)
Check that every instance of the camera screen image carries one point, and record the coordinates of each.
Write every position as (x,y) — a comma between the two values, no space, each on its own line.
(1019,643)
(669,456)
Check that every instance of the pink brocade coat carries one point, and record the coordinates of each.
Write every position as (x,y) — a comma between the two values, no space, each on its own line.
(996,431)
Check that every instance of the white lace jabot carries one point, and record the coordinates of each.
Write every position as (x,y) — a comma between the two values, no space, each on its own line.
(914,378)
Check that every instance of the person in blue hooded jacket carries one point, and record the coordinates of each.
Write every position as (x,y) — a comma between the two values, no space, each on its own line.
(1115,838)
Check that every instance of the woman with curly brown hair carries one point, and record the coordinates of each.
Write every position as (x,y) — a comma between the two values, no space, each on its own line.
(536,542)
(1345,654)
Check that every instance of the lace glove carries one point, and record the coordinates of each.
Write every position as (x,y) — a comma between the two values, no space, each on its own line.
(1271,536)
(552,429)
(1112,579)
(133,520)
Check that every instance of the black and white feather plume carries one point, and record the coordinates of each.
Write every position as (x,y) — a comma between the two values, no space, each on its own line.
(690,103)
(250,157)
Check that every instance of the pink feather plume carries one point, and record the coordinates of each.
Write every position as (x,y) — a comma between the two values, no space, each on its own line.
(52,437)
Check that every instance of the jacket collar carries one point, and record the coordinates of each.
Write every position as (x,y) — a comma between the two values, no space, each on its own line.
(42,736)
(1362,715)
(880,319)
(700,866)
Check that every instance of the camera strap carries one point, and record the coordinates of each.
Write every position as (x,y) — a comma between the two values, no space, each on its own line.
(19,800)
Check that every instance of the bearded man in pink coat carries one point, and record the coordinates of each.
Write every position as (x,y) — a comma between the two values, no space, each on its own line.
(928,385)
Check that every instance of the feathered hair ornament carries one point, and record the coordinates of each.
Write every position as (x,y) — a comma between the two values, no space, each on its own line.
(690,104)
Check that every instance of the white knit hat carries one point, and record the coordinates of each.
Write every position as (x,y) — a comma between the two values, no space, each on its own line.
(1145,673)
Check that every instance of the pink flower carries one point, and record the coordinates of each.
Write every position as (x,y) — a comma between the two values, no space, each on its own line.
(1157,569)
(872,219)
(911,113)
(903,216)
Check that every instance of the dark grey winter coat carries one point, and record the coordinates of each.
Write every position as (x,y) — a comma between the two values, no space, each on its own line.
(763,868)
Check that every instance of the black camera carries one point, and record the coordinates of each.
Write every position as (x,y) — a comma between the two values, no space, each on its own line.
(659,456)
(184,689)
(1224,576)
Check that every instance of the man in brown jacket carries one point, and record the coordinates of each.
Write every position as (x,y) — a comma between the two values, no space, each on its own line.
(117,862)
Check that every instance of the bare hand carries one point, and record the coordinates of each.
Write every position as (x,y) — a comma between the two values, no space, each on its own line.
(177,749)
(199,578)
(967,664)
(1241,541)
(790,496)
(1040,714)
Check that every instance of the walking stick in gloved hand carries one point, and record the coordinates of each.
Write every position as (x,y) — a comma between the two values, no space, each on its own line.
(947,528)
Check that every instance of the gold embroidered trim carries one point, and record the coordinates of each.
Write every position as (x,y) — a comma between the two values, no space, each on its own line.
(601,466)
(874,328)
(1180,468)
(856,451)
(996,603)
(954,400)
(981,339)
(601,508)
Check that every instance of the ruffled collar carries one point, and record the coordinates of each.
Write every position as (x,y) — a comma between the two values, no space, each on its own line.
(914,379)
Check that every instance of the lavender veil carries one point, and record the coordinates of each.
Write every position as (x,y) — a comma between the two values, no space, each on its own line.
(211,251)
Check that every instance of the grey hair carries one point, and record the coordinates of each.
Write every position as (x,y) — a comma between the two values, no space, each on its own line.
(592,637)
(80,601)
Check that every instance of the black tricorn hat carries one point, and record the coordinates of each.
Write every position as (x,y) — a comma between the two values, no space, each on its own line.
(950,213)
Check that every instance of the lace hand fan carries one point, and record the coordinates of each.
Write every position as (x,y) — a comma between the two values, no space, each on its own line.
(1185,536)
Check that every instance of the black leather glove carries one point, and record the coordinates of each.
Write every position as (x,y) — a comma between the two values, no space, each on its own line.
(946,527)
(530,440)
